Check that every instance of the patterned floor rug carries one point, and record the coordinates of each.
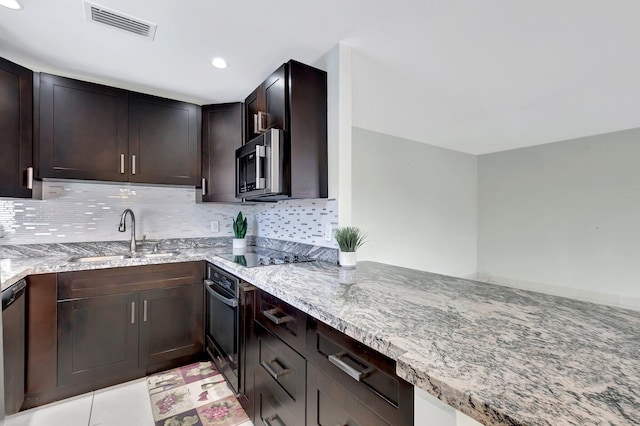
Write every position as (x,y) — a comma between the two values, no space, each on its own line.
(194,395)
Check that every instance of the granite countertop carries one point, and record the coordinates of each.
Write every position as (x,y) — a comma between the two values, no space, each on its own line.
(502,356)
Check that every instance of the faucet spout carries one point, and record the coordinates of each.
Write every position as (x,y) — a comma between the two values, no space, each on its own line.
(123,227)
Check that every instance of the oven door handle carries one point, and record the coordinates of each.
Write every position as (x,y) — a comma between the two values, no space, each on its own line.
(233,302)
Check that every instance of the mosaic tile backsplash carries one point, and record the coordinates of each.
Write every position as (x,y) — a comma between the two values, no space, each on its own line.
(72,211)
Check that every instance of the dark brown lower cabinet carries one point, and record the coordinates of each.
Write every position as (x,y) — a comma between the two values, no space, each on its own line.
(321,376)
(280,379)
(97,337)
(329,403)
(172,324)
(91,329)
(357,373)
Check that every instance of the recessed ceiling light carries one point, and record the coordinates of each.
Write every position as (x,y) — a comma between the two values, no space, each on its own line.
(11,4)
(216,62)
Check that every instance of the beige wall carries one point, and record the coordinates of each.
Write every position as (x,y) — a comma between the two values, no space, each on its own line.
(416,202)
(564,218)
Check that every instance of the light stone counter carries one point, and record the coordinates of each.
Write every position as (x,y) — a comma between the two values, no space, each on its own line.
(502,356)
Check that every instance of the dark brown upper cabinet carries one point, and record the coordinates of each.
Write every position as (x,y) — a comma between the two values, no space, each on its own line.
(294,99)
(83,130)
(266,106)
(96,132)
(16,136)
(221,136)
(164,139)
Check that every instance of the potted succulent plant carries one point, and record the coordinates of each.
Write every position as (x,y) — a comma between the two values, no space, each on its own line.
(349,239)
(239,232)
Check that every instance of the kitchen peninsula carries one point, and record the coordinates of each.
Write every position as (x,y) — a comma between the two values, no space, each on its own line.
(500,355)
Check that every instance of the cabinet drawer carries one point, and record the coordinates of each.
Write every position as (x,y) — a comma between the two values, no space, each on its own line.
(274,407)
(284,365)
(101,282)
(329,404)
(366,374)
(283,320)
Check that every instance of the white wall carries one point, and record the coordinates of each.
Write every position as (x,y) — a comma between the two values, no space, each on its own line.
(337,63)
(416,202)
(564,218)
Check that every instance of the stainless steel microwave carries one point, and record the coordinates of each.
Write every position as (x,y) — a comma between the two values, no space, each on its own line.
(260,166)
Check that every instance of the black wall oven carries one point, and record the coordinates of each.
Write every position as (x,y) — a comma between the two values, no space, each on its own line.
(229,304)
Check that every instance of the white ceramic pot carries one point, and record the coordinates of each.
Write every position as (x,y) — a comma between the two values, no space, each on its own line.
(347,259)
(239,244)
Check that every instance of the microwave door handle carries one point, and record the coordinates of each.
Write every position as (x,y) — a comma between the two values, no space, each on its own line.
(259,154)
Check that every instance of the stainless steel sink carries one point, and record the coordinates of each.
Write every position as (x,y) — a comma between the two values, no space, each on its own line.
(153,255)
(104,258)
(136,255)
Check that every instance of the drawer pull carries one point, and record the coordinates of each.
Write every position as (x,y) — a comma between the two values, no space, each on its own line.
(272,315)
(271,421)
(336,360)
(267,365)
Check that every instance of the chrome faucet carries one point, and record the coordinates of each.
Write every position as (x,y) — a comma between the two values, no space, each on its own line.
(123,227)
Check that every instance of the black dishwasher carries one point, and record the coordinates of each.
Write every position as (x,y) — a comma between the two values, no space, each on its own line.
(13,340)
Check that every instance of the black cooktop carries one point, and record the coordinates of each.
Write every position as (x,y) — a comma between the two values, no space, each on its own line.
(259,256)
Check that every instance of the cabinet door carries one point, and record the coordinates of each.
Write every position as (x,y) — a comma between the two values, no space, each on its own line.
(171,324)
(329,404)
(275,99)
(221,136)
(251,108)
(164,139)
(83,130)
(287,371)
(97,338)
(16,117)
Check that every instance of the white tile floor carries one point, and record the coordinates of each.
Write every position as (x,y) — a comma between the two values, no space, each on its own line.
(126,404)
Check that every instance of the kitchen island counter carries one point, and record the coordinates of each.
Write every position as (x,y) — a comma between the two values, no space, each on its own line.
(502,356)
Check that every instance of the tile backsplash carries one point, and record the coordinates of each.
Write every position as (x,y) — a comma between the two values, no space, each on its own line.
(78,211)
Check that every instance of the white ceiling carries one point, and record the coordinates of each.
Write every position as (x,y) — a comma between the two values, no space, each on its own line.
(475,76)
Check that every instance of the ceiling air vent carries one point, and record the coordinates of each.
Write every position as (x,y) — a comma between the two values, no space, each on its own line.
(96,13)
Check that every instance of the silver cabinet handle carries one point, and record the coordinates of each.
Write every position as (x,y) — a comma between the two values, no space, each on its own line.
(262,118)
(133,164)
(267,365)
(144,311)
(271,316)
(29,177)
(260,153)
(269,421)
(256,126)
(336,360)
(121,164)
(133,312)
(204,186)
